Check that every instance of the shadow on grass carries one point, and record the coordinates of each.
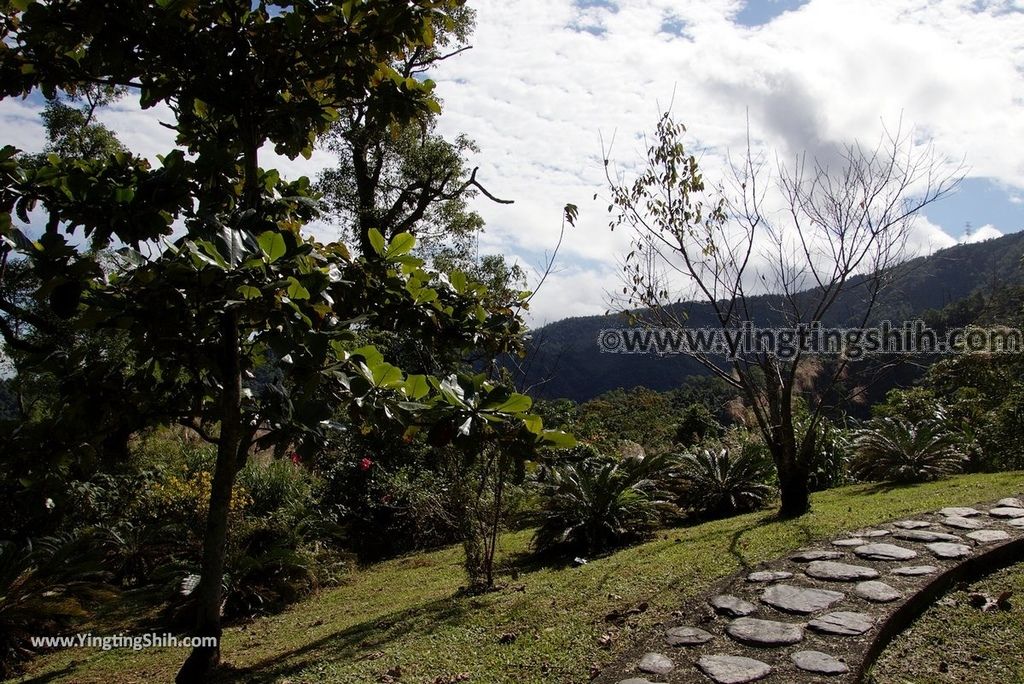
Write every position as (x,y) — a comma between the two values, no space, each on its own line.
(358,642)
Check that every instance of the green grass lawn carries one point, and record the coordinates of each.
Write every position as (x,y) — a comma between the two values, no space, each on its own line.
(407,612)
(954,643)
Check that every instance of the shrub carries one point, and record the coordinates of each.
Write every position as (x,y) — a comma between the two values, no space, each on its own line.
(600,503)
(43,590)
(697,424)
(898,450)
(720,482)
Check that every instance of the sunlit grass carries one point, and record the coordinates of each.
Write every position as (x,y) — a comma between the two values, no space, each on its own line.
(408,612)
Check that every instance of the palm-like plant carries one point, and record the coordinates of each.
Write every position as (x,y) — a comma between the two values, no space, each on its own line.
(601,503)
(898,450)
(719,483)
(42,589)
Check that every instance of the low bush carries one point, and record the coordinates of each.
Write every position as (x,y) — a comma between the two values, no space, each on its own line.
(897,450)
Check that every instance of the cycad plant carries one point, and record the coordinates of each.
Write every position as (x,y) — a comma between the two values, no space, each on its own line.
(720,482)
(900,451)
(600,503)
(43,586)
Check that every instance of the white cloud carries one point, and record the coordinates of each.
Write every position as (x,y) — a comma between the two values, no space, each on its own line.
(548,79)
(986,232)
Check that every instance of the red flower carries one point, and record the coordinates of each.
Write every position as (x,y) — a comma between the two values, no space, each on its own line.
(365,464)
(296,459)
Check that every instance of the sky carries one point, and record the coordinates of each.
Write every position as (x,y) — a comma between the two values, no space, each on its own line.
(550,85)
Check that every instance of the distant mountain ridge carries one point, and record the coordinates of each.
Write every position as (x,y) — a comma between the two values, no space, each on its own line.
(567,363)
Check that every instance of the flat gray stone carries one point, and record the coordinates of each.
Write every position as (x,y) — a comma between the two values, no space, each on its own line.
(816,555)
(1016,522)
(755,632)
(769,576)
(988,536)
(839,572)
(948,550)
(819,663)
(656,663)
(1010,502)
(851,541)
(915,570)
(876,592)
(800,600)
(731,606)
(687,636)
(726,669)
(959,512)
(636,680)
(925,536)
(884,552)
(962,523)
(912,524)
(868,534)
(1007,512)
(842,623)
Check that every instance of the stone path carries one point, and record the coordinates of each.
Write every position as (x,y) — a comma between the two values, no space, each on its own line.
(810,617)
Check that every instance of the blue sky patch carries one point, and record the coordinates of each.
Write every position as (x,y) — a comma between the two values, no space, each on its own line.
(759,12)
(979,201)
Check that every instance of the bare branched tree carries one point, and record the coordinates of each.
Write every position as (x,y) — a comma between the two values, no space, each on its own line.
(813,234)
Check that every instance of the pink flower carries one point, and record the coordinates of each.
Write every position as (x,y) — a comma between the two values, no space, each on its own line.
(365,464)
(296,459)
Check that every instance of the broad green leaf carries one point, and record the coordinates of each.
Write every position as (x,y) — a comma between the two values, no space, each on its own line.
(517,403)
(558,439)
(273,245)
(377,241)
(401,244)
(416,386)
(248,291)
(296,290)
(386,375)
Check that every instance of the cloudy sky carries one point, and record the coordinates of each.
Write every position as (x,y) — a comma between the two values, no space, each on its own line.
(548,80)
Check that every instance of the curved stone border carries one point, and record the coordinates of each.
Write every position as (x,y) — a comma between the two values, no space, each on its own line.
(831,609)
(970,570)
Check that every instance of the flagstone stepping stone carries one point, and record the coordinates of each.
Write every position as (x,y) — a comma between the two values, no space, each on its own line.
(819,663)
(687,636)
(727,669)
(800,600)
(961,523)
(915,570)
(769,576)
(948,550)
(959,512)
(756,632)
(726,604)
(656,663)
(842,623)
(988,536)
(1010,502)
(877,592)
(852,541)
(816,555)
(839,572)
(1016,522)
(636,680)
(926,536)
(1007,512)
(912,524)
(884,552)
(870,534)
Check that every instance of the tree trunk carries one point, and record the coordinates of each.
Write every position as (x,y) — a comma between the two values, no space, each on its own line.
(199,665)
(793,488)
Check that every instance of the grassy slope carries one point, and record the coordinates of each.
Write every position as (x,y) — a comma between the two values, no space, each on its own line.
(954,643)
(407,613)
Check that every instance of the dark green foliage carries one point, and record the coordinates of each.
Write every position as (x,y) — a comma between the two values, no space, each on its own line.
(720,482)
(598,504)
(45,587)
(897,450)
(696,425)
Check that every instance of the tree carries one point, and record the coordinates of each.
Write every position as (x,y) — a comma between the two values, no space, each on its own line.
(406,178)
(241,284)
(841,231)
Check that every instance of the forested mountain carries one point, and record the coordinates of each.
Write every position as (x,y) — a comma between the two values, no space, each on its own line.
(565,360)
